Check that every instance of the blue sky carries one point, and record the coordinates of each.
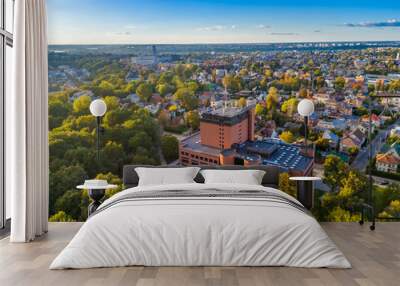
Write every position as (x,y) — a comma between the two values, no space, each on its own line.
(220,21)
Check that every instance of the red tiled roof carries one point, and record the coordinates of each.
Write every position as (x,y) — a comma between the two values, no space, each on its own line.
(387,159)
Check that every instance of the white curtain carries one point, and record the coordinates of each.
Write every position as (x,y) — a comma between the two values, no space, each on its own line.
(27,124)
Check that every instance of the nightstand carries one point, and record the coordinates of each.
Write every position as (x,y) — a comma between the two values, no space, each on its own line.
(96,193)
(305,190)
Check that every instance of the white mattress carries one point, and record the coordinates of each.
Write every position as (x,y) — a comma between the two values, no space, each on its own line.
(200,232)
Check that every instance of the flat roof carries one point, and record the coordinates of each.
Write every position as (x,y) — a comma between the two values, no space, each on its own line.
(278,153)
(226,115)
(193,143)
(228,111)
(286,156)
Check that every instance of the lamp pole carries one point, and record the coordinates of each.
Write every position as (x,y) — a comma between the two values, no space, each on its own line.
(98,124)
(305,108)
(98,108)
(306,133)
(370,181)
(370,198)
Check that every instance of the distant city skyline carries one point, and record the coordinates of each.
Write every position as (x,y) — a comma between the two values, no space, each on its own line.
(220,21)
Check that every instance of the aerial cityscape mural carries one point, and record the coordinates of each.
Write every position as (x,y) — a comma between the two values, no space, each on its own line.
(201,101)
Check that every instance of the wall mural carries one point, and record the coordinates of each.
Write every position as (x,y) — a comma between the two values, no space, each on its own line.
(199,104)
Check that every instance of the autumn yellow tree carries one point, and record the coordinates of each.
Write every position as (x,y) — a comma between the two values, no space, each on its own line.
(272,99)
(242,102)
(287,137)
(259,109)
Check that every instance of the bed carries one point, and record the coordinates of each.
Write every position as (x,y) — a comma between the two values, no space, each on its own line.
(197,224)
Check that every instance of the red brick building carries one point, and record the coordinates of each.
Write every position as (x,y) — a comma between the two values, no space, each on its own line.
(226,137)
(219,130)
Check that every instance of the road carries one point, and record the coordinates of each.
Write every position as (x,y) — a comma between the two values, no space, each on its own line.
(380,180)
(361,161)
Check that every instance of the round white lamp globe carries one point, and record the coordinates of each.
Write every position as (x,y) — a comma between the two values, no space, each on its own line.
(305,107)
(98,107)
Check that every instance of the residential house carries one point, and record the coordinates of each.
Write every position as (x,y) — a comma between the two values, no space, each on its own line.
(332,138)
(387,163)
(395,131)
(375,120)
(353,139)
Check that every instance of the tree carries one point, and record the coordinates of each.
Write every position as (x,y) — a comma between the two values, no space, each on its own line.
(170,148)
(105,88)
(164,88)
(70,202)
(339,83)
(272,99)
(111,179)
(144,91)
(193,86)
(322,144)
(268,73)
(112,102)
(242,102)
(81,105)
(232,83)
(341,215)
(163,118)
(193,119)
(112,157)
(320,82)
(58,111)
(64,179)
(116,117)
(353,151)
(334,171)
(303,93)
(187,98)
(172,108)
(61,216)
(393,210)
(259,109)
(289,106)
(351,184)
(287,137)
(140,139)
(286,185)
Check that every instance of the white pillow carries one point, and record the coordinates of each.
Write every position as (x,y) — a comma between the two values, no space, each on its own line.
(166,176)
(246,177)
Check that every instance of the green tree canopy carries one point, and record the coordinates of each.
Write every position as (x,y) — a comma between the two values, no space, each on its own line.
(334,171)
(188,100)
(170,147)
(193,119)
(81,105)
(232,83)
(144,91)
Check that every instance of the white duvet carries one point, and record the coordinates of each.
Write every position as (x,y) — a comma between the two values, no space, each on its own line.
(202,232)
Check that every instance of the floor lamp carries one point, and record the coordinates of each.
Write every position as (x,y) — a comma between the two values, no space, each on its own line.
(98,108)
(305,108)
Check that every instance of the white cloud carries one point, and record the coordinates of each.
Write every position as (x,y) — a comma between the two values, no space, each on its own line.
(381,24)
(284,34)
(216,28)
(262,26)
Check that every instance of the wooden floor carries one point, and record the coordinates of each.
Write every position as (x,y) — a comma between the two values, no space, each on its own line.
(375,257)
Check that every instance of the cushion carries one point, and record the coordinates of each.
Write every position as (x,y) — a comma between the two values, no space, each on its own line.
(166,176)
(245,177)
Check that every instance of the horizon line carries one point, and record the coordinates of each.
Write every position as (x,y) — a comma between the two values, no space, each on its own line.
(226,43)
